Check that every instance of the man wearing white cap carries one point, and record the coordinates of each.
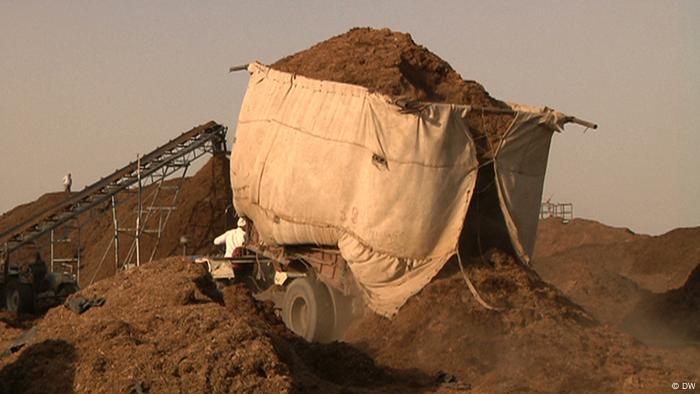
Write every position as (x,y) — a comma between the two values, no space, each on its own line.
(234,239)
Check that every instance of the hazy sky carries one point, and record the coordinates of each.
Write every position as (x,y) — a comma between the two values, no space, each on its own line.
(86,85)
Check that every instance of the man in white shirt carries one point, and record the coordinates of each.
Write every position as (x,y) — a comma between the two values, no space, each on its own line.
(67,182)
(233,239)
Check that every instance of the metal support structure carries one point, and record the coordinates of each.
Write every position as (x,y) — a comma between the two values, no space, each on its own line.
(164,212)
(149,209)
(115,241)
(152,210)
(564,211)
(150,169)
(69,265)
(139,209)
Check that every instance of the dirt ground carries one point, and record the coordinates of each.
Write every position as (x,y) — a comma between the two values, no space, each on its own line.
(646,286)
(165,328)
(540,342)
(607,270)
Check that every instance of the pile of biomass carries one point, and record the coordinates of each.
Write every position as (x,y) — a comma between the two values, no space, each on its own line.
(12,327)
(165,327)
(555,236)
(673,316)
(540,342)
(23,212)
(393,64)
(609,270)
(20,213)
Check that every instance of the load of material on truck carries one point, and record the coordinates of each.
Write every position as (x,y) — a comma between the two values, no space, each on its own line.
(380,172)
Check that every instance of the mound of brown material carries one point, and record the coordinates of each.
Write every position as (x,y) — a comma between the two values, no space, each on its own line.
(606,294)
(387,62)
(23,212)
(657,263)
(663,262)
(609,278)
(541,342)
(393,64)
(673,316)
(554,236)
(12,327)
(166,328)
(158,330)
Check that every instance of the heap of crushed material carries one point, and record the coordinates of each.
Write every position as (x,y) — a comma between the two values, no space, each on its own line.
(540,342)
(393,64)
(673,316)
(609,271)
(165,327)
(387,62)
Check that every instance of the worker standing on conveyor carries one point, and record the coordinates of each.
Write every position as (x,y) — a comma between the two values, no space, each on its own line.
(234,239)
(67,182)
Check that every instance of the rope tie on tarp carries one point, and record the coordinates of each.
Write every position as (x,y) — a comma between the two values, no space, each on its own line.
(473,290)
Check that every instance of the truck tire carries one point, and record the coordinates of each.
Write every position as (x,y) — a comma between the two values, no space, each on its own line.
(307,310)
(19,297)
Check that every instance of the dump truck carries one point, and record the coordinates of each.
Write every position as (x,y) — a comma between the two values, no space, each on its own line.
(354,195)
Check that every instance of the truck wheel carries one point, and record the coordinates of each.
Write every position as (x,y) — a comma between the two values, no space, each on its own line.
(307,310)
(19,297)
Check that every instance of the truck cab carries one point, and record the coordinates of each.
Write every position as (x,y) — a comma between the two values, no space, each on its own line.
(29,286)
(311,286)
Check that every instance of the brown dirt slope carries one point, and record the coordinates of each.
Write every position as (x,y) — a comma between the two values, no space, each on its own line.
(166,328)
(609,279)
(542,342)
(23,212)
(554,236)
(12,327)
(388,62)
(673,316)
(657,263)
(634,284)
(391,63)
(608,295)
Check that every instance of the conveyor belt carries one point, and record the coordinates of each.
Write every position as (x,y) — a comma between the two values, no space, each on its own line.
(174,153)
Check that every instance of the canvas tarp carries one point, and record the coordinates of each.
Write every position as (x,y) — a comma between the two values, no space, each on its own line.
(319,162)
(520,164)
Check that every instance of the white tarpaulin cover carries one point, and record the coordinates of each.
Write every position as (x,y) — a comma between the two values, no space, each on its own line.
(319,162)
